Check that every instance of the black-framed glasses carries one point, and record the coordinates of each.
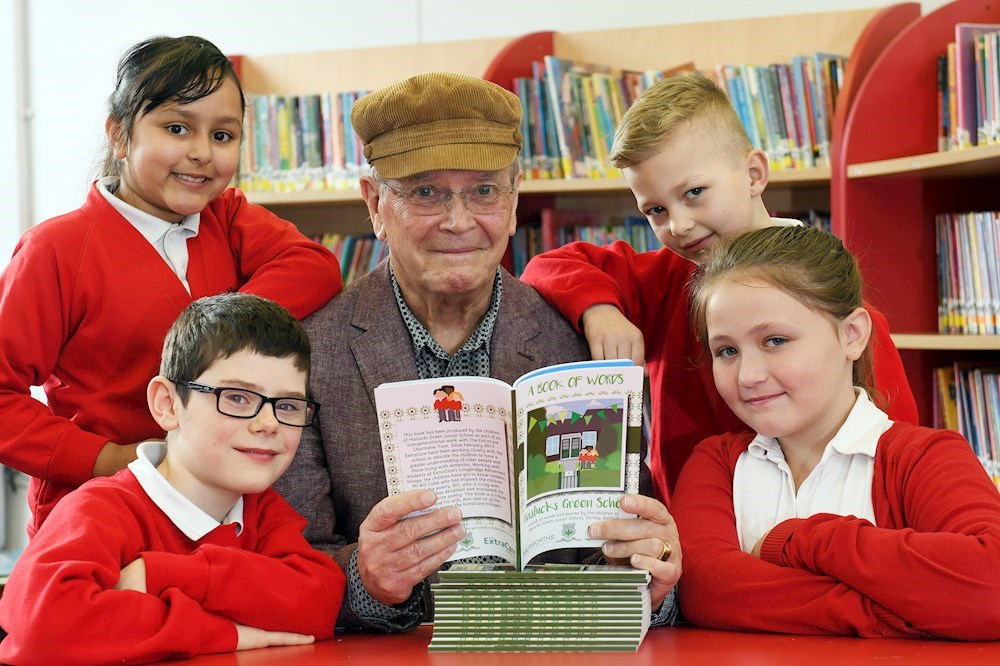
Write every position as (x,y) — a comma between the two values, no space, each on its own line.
(246,404)
(482,198)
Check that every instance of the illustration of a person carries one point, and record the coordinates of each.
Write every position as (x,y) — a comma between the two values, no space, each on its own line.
(456,405)
(441,404)
(588,457)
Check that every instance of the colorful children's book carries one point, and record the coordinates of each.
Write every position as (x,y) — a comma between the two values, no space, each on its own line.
(966,76)
(945,399)
(531,465)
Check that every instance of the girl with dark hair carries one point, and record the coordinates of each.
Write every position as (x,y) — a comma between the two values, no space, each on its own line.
(89,295)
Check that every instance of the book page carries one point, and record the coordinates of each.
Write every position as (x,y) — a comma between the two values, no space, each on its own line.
(453,435)
(578,448)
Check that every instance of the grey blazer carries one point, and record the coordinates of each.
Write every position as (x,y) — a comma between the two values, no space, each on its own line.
(359,340)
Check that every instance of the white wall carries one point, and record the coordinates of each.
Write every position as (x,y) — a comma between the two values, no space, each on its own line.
(8,123)
(73,48)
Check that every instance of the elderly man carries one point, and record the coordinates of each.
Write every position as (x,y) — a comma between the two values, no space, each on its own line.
(442,193)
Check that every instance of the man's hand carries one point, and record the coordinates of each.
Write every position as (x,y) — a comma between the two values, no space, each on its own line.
(611,335)
(251,638)
(133,577)
(394,555)
(640,542)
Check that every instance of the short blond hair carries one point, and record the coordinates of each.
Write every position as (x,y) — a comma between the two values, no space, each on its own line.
(672,103)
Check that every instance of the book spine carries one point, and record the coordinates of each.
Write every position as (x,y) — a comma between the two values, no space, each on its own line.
(555,84)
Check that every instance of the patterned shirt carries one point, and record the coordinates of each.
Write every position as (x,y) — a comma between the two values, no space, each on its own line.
(471,360)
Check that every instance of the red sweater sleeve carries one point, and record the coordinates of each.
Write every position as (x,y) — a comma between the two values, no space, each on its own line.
(36,297)
(280,560)
(578,275)
(60,605)
(273,257)
(890,376)
(941,571)
(726,588)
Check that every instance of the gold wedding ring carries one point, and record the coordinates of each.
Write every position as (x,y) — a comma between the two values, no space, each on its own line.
(665,553)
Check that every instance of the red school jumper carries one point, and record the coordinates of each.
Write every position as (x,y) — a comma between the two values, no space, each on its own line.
(60,606)
(84,306)
(930,568)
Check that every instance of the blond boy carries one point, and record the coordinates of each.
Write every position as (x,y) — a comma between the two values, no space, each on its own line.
(697,179)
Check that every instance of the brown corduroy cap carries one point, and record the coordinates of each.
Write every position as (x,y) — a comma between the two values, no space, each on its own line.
(438,121)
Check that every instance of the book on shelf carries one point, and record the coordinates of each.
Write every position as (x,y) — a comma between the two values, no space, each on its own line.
(968,252)
(564,608)
(787,108)
(969,100)
(555,220)
(945,399)
(987,46)
(572,109)
(943,103)
(300,143)
(968,95)
(357,254)
(531,465)
(977,409)
(952,83)
(553,228)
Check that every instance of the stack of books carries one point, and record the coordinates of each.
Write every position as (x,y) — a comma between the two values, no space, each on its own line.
(549,608)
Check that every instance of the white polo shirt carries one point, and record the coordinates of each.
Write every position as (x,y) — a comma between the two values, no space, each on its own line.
(841,483)
(169,239)
(182,512)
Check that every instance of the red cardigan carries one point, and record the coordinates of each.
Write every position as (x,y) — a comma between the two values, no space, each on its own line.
(60,606)
(931,567)
(650,288)
(84,306)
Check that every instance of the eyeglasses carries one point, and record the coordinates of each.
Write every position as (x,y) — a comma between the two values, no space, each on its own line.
(433,200)
(245,404)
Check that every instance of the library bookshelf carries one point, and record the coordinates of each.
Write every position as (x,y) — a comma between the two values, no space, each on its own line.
(758,40)
(884,186)
(888,182)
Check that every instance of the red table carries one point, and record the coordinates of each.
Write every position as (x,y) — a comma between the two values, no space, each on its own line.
(665,646)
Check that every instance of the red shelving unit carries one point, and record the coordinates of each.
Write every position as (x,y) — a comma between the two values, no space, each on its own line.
(883,207)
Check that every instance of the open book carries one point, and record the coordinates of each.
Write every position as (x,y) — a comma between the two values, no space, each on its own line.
(531,465)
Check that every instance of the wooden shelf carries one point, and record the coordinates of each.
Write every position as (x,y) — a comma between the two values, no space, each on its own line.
(573,185)
(814,176)
(935,341)
(791,177)
(975,161)
(305,198)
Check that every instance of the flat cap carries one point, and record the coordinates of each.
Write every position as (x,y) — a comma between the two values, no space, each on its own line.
(438,121)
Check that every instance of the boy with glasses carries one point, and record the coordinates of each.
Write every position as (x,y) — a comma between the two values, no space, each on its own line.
(188,550)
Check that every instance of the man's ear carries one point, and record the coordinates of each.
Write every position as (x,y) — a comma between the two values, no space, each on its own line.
(370,191)
(759,171)
(163,401)
(512,226)
(116,137)
(857,329)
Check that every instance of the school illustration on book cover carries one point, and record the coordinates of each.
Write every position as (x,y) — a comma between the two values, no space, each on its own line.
(568,435)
